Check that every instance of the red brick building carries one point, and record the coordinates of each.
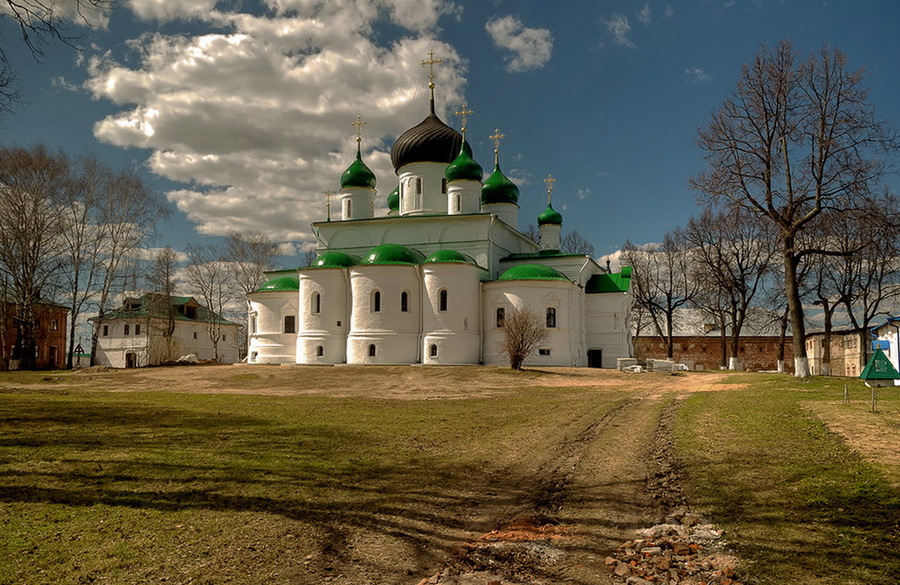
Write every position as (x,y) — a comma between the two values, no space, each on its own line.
(702,352)
(50,335)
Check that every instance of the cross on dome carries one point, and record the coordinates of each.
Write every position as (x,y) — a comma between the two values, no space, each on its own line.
(431,62)
(464,114)
(497,137)
(359,124)
(549,182)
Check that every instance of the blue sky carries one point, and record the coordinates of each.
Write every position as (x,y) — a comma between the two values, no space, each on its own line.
(241,112)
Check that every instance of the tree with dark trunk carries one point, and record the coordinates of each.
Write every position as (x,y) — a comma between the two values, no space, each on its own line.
(795,139)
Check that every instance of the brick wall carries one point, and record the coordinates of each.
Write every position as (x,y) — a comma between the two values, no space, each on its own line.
(699,352)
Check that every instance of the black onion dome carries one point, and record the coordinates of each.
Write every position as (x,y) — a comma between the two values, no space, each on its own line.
(429,141)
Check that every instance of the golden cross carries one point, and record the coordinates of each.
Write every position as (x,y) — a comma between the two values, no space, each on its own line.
(359,124)
(549,182)
(431,62)
(497,137)
(463,114)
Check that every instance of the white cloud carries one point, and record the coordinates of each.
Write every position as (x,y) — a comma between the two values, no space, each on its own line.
(81,13)
(697,76)
(670,12)
(618,26)
(531,47)
(645,14)
(255,118)
(583,194)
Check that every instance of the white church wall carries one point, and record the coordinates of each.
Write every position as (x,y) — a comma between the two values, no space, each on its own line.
(269,343)
(451,329)
(324,302)
(562,342)
(382,329)
(606,325)
(422,188)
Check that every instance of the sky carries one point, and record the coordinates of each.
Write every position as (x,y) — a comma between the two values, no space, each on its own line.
(240,113)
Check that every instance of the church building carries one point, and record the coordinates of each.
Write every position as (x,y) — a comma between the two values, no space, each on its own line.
(432,281)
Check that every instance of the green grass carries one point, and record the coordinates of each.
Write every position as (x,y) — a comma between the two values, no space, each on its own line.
(798,504)
(139,487)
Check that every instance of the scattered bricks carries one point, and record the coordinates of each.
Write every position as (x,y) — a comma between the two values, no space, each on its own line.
(681,549)
(622,570)
(609,561)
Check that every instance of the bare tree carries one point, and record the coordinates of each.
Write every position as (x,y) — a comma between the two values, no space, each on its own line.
(733,253)
(575,243)
(31,243)
(250,255)
(662,281)
(41,22)
(795,139)
(209,273)
(532,233)
(522,331)
(127,214)
(161,281)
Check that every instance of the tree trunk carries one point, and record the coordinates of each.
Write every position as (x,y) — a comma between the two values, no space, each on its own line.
(795,306)
(826,347)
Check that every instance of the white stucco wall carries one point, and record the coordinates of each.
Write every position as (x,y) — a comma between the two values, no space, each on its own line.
(148,347)
(328,327)
(607,327)
(392,331)
(454,332)
(269,344)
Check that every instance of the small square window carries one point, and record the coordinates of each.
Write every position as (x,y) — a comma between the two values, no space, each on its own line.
(544,351)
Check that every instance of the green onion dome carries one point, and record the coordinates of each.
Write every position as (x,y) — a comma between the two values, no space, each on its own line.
(393,200)
(358,174)
(281,284)
(392,254)
(335,260)
(429,141)
(549,216)
(448,256)
(498,189)
(532,272)
(464,167)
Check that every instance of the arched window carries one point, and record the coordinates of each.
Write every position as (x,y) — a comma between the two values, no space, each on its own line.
(290,324)
(404,302)
(501,316)
(371,350)
(551,317)
(433,350)
(444,186)
(442,300)
(348,208)
(418,185)
(376,301)
(457,205)
(315,305)
(127,329)
(320,351)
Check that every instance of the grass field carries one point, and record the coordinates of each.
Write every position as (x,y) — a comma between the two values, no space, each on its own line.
(802,506)
(254,477)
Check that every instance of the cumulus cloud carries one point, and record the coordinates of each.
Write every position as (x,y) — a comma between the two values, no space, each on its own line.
(530,47)
(619,28)
(59,11)
(254,116)
(645,14)
(697,76)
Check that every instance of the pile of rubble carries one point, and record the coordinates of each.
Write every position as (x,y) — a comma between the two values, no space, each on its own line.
(681,551)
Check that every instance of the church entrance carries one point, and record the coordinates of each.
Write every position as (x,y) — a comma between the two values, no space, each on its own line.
(130,360)
(595,358)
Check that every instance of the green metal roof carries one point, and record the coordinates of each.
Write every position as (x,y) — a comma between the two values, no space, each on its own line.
(281,284)
(335,259)
(155,305)
(393,254)
(498,189)
(609,283)
(393,200)
(879,368)
(358,174)
(532,272)
(448,256)
(464,167)
(549,216)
